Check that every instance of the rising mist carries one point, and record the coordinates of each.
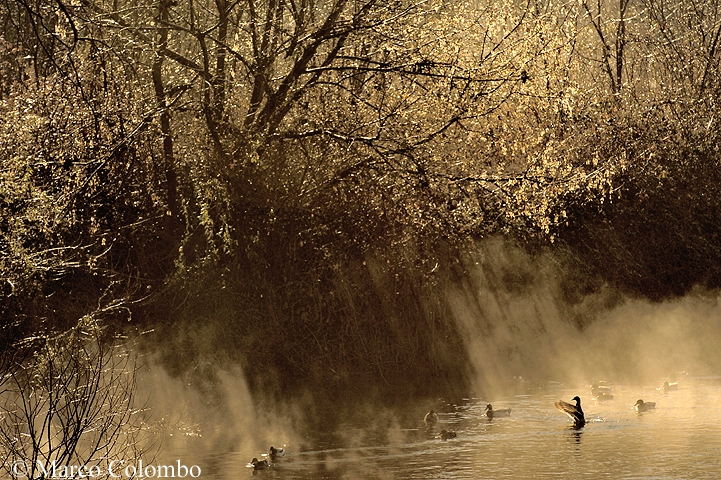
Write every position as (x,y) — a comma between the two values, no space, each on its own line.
(518,329)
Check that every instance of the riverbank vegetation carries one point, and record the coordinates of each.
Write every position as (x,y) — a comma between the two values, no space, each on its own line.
(295,186)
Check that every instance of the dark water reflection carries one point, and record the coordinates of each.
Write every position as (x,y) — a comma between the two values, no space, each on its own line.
(680,439)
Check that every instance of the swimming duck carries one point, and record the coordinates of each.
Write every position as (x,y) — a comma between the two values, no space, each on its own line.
(601,388)
(641,406)
(258,464)
(431,417)
(491,413)
(667,387)
(601,397)
(573,411)
(275,452)
(445,434)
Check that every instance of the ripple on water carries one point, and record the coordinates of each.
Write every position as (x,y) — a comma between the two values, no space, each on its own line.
(680,439)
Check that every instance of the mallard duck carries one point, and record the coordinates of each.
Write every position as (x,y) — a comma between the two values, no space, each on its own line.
(275,452)
(602,397)
(431,417)
(491,413)
(667,387)
(641,406)
(258,464)
(600,388)
(446,434)
(573,411)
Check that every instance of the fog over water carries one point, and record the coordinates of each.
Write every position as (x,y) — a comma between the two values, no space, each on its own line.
(517,325)
(526,352)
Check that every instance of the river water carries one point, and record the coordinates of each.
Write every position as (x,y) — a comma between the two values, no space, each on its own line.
(681,438)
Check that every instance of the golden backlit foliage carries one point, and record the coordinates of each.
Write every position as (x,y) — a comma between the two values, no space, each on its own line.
(318,152)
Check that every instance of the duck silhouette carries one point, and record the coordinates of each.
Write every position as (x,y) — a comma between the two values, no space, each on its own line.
(491,413)
(573,411)
(275,452)
(431,417)
(641,406)
(600,390)
(667,387)
(258,464)
(446,434)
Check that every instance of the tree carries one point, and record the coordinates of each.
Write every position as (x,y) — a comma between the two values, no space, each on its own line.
(281,102)
(613,38)
(68,400)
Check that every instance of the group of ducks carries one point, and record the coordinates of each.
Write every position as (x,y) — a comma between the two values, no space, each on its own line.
(432,417)
(273,453)
(576,413)
(602,392)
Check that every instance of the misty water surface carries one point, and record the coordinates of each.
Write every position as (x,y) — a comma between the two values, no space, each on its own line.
(681,438)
